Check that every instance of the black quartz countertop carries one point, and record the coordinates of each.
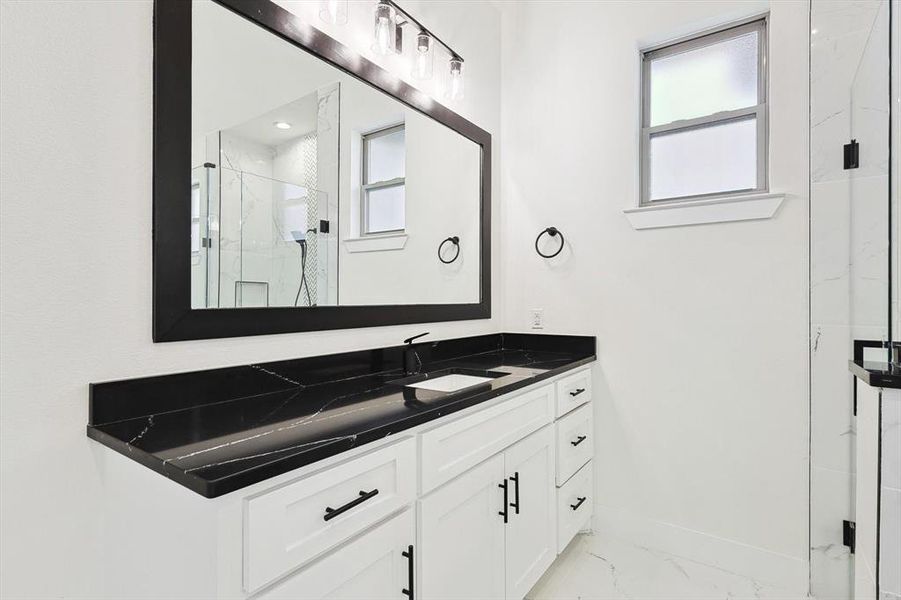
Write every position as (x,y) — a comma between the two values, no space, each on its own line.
(875,373)
(220,430)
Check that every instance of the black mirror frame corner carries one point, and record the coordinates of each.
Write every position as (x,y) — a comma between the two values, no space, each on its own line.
(173,317)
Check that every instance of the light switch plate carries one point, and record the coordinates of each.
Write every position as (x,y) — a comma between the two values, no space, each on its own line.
(536,318)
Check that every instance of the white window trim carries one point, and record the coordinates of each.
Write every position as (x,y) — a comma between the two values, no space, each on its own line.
(748,207)
(376,242)
(760,110)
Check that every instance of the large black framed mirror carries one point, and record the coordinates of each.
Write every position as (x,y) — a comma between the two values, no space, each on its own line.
(298,186)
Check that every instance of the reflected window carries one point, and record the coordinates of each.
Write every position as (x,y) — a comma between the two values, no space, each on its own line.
(384,164)
(195,218)
(704,116)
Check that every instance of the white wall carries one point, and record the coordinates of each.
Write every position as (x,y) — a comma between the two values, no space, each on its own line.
(75,245)
(702,409)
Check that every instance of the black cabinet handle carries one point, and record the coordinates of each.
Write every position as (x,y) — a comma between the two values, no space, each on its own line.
(331,513)
(576,392)
(408,591)
(515,480)
(579,440)
(576,506)
(503,513)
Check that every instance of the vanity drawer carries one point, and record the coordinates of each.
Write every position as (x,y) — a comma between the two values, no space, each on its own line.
(449,450)
(575,442)
(573,391)
(574,506)
(288,526)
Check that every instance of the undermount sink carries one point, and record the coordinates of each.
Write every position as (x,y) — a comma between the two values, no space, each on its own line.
(450,383)
(450,380)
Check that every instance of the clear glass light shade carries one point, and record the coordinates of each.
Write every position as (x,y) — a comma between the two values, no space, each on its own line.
(384,29)
(423,57)
(333,11)
(455,86)
(704,160)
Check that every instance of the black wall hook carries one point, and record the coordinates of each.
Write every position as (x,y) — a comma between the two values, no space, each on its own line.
(553,232)
(455,240)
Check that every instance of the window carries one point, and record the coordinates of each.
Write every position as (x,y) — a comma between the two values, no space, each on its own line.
(196,242)
(384,162)
(704,116)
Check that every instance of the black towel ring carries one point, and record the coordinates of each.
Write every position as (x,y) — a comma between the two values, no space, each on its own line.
(453,240)
(553,232)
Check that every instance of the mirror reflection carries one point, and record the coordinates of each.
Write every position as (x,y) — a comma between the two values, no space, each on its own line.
(310,188)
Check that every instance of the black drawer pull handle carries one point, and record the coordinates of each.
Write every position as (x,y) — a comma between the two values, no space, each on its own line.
(576,506)
(579,440)
(576,392)
(331,513)
(515,480)
(503,513)
(410,572)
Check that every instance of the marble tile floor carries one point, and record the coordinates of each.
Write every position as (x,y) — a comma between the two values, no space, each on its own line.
(592,568)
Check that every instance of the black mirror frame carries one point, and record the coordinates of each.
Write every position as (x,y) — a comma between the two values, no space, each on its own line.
(173,317)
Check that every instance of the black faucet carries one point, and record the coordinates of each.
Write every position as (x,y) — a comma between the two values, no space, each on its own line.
(411,359)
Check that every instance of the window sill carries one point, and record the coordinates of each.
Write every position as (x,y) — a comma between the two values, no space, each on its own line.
(376,243)
(699,212)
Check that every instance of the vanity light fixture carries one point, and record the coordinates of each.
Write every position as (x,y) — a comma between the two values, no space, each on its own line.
(455,82)
(390,20)
(333,11)
(384,28)
(282,125)
(423,57)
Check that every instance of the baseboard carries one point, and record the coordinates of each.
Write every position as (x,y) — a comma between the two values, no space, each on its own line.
(780,570)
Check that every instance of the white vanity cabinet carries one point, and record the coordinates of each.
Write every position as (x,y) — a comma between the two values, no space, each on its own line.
(475,505)
(491,532)
(461,536)
(374,566)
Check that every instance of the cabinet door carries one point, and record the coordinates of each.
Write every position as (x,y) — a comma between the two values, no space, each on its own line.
(531,537)
(374,566)
(462,536)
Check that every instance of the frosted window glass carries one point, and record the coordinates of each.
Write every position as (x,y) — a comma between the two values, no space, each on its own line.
(704,81)
(387,157)
(386,209)
(706,160)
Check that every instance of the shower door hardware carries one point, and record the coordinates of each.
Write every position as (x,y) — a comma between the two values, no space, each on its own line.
(331,513)
(504,513)
(579,440)
(849,535)
(515,479)
(852,155)
(576,506)
(411,572)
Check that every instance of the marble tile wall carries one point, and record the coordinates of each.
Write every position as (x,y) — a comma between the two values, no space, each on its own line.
(848,270)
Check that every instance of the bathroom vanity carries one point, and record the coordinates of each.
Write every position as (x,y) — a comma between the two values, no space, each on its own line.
(344,476)
(875,534)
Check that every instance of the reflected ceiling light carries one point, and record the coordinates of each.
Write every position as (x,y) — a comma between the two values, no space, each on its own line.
(423,56)
(384,24)
(333,11)
(455,83)
(282,125)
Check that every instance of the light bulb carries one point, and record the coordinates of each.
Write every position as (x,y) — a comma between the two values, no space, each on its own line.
(333,11)
(422,59)
(383,23)
(455,82)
